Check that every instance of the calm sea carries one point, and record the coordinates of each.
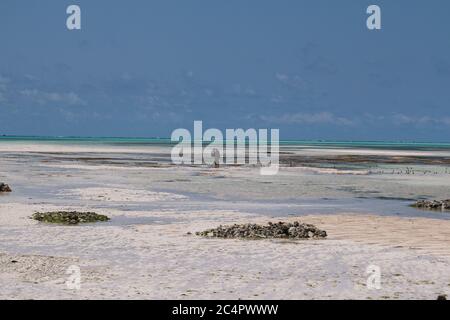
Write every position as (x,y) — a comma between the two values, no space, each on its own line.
(166,141)
(400,145)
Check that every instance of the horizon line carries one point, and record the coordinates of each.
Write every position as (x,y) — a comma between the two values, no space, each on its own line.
(3,136)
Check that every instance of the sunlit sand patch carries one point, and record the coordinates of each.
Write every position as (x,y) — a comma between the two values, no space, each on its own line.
(151,256)
(36,267)
(104,167)
(122,195)
(427,236)
(333,171)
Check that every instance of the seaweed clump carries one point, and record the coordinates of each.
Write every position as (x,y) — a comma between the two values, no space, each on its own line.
(69,217)
(283,230)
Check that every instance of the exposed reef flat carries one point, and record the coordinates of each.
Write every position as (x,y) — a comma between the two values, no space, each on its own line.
(296,160)
(443,205)
(286,230)
(69,217)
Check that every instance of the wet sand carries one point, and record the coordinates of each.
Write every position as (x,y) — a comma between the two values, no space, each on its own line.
(149,250)
(161,260)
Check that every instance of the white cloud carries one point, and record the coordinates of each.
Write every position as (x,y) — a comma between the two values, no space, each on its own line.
(42,97)
(282,77)
(30,77)
(367,119)
(240,90)
(402,119)
(277,99)
(294,81)
(308,118)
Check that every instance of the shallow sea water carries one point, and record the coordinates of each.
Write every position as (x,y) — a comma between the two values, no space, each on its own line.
(42,174)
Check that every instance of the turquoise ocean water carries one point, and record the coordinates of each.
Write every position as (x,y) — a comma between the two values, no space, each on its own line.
(394,145)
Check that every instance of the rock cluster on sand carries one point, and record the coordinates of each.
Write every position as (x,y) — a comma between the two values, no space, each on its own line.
(295,230)
(432,204)
(69,217)
(4,187)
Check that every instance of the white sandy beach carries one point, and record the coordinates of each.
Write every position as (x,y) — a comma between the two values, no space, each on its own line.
(149,249)
(160,261)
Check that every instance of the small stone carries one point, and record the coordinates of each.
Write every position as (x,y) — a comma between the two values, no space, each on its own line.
(4,187)
(442,297)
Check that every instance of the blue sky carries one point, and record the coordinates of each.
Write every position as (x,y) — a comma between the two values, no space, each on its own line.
(144,68)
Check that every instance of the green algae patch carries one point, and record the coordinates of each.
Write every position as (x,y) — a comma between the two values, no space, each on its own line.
(69,217)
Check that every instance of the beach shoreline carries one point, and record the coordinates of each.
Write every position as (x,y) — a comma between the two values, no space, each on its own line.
(149,250)
(167,261)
